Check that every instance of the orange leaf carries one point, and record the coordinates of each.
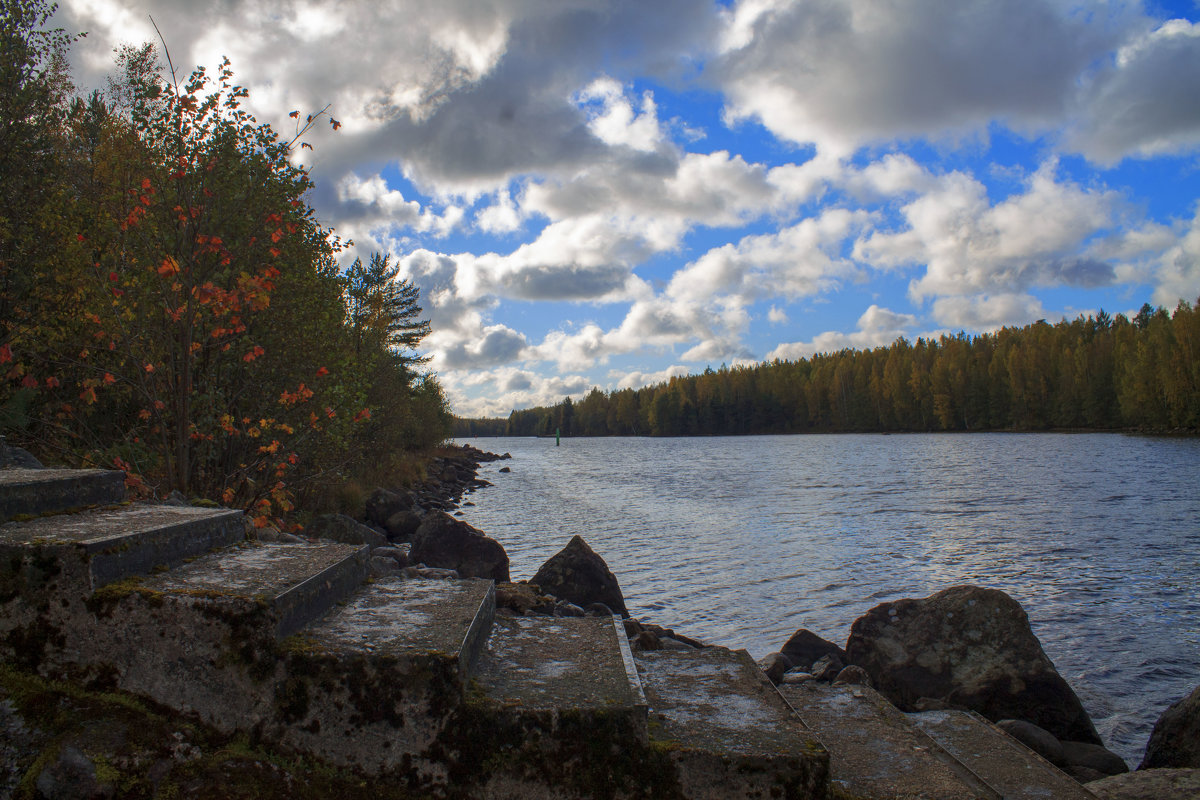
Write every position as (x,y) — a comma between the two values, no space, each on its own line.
(322,372)
(52,382)
(109,380)
(145,183)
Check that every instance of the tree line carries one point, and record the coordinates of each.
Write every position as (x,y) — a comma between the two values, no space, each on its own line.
(1095,372)
(169,302)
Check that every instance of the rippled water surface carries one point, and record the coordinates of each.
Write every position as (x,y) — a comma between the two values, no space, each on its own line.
(741,541)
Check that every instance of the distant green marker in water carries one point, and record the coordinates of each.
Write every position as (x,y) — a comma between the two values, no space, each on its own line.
(557,437)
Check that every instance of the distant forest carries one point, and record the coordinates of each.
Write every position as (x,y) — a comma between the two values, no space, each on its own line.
(1101,372)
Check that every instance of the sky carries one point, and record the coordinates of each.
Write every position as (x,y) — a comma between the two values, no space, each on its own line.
(606,193)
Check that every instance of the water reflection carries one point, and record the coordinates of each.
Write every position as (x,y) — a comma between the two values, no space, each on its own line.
(743,540)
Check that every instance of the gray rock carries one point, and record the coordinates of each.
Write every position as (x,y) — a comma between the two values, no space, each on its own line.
(340,528)
(1149,784)
(970,647)
(671,643)
(597,610)
(805,647)
(576,573)
(1093,756)
(1175,741)
(852,675)
(796,676)
(443,541)
(17,457)
(505,469)
(775,665)
(632,627)
(564,609)
(1036,739)
(827,667)
(429,573)
(275,536)
(72,776)
(382,567)
(402,526)
(397,554)
(646,640)
(1083,774)
(175,498)
(383,504)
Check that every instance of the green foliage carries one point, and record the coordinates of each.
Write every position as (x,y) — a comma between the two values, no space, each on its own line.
(185,317)
(1093,372)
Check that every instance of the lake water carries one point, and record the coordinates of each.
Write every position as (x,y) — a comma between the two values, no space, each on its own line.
(740,541)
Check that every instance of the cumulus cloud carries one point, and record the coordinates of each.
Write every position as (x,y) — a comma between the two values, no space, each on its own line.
(843,73)
(497,392)
(1144,102)
(987,312)
(636,380)
(876,327)
(1035,238)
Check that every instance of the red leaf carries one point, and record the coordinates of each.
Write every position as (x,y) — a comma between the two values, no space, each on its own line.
(5,353)
(29,382)
(322,372)
(112,276)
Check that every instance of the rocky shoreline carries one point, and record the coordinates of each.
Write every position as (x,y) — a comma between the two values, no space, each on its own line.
(964,648)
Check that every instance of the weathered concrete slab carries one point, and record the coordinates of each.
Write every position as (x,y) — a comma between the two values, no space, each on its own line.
(374,683)
(1006,765)
(728,731)
(127,540)
(299,582)
(34,492)
(875,753)
(394,617)
(558,663)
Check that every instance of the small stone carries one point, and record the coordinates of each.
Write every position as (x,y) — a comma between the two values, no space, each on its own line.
(1036,739)
(597,610)
(564,609)
(852,675)
(646,640)
(827,667)
(382,567)
(505,469)
(632,627)
(1093,756)
(775,665)
(794,677)
(671,643)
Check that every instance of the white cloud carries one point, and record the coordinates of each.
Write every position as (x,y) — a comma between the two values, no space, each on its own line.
(1036,238)
(636,380)
(1144,102)
(987,312)
(876,327)
(843,73)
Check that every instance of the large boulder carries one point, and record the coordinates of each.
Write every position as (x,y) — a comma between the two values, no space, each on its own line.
(805,648)
(1149,784)
(443,541)
(576,573)
(340,528)
(1175,741)
(384,503)
(967,647)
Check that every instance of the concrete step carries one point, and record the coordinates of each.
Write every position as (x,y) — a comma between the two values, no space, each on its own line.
(70,555)
(296,583)
(35,492)
(542,663)
(875,752)
(1013,770)
(204,637)
(373,684)
(728,732)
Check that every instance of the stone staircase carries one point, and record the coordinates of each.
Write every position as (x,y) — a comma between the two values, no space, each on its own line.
(423,682)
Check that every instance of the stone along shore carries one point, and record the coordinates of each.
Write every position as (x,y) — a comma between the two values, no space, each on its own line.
(397,649)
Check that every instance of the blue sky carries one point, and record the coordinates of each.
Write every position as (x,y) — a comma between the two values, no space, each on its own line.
(606,193)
